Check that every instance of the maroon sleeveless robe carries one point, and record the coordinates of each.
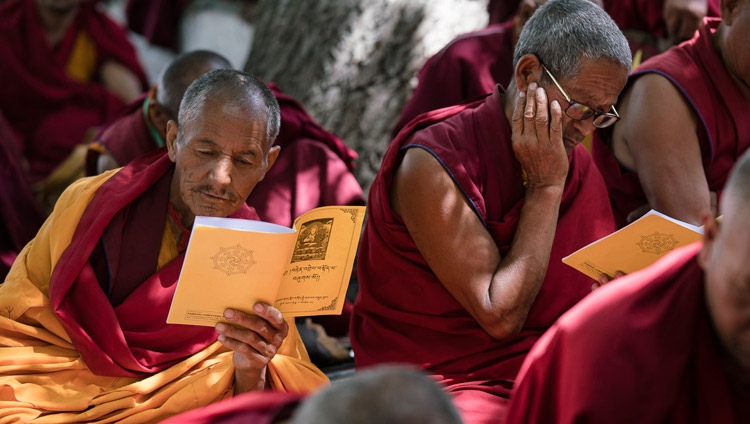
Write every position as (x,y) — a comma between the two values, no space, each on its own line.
(641,349)
(403,313)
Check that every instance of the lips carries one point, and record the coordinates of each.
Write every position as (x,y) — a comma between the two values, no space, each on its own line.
(215,198)
(569,142)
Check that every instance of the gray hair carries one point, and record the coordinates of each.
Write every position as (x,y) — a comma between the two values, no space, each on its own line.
(561,32)
(236,87)
(392,395)
(175,78)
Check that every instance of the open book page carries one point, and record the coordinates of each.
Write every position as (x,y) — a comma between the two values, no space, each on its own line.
(634,247)
(317,277)
(229,263)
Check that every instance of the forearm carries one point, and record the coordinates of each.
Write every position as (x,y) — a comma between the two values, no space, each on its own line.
(520,274)
(248,381)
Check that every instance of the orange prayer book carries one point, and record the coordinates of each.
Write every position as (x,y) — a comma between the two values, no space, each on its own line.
(234,263)
(635,246)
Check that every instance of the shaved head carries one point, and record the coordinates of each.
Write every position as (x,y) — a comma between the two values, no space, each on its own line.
(389,394)
(726,248)
(176,77)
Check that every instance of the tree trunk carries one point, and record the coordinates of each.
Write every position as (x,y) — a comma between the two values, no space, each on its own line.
(353,63)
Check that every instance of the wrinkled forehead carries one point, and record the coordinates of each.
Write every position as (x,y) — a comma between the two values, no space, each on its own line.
(219,116)
(597,83)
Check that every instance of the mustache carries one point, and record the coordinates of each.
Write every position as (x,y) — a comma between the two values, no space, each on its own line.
(223,193)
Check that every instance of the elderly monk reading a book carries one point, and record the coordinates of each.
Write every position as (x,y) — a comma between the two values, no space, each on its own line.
(474,207)
(83,309)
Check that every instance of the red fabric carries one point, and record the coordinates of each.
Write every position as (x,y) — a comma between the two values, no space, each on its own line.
(404,314)
(502,10)
(125,137)
(131,339)
(697,70)
(157,20)
(641,349)
(251,407)
(313,169)
(646,16)
(48,109)
(20,215)
(468,67)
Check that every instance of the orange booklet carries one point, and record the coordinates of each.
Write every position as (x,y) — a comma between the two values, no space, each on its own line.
(634,247)
(234,263)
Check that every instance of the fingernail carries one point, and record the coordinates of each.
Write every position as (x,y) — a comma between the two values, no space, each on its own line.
(220,327)
(532,86)
(258,308)
(221,338)
(522,94)
(555,103)
(229,313)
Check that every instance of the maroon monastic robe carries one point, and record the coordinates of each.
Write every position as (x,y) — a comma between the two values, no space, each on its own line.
(646,16)
(20,214)
(696,69)
(403,313)
(48,109)
(125,138)
(502,10)
(642,349)
(157,20)
(251,407)
(313,168)
(115,334)
(468,67)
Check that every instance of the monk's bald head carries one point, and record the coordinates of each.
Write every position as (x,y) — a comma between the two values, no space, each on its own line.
(236,89)
(392,395)
(724,259)
(176,77)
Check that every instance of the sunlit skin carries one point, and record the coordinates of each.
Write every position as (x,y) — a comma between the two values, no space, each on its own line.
(727,276)
(219,158)
(597,85)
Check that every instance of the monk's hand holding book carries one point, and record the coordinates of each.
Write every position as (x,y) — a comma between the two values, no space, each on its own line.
(255,339)
(538,138)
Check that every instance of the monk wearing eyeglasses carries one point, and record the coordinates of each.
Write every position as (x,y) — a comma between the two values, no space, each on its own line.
(686,120)
(474,206)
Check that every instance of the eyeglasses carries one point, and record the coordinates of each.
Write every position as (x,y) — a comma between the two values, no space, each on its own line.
(580,111)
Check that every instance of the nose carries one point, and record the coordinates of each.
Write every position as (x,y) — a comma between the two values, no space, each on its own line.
(222,171)
(585,127)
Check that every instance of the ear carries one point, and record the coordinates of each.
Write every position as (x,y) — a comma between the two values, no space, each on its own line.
(528,70)
(710,234)
(728,10)
(273,154)
(171,140)
(158,116)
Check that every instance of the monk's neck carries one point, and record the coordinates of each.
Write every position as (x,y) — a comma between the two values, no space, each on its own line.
(55,25)
(720,43)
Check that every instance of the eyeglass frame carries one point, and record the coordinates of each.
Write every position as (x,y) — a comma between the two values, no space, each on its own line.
(572,102)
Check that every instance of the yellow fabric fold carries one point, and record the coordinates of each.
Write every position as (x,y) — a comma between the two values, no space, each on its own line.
(43,378)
